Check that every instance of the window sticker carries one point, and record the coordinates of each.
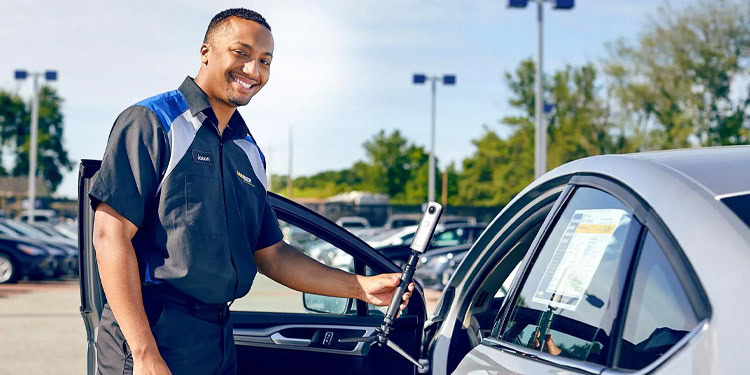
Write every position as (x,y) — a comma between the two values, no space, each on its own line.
(576,258)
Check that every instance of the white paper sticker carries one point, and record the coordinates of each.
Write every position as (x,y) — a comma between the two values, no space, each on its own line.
(576,258)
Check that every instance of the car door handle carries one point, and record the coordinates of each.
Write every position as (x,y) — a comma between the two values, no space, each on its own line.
(279,339)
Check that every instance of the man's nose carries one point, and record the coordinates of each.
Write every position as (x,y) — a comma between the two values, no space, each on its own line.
(251,69)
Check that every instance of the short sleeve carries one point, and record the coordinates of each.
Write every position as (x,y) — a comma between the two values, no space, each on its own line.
(130,172)
(270,233)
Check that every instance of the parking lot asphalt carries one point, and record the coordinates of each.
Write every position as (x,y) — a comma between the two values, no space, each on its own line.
(41,330)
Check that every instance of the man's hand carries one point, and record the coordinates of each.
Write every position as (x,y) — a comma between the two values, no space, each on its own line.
(291,267)
(378,290)
(150,363)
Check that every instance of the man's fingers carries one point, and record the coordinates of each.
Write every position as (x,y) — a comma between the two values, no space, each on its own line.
(411,287)
(406,296)
(395,279)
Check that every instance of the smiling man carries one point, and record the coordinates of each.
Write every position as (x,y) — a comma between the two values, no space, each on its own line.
(183,222)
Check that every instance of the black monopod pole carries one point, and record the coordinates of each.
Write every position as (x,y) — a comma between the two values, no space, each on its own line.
(406,278)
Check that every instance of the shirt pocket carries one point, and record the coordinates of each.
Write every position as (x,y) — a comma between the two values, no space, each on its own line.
(204,206)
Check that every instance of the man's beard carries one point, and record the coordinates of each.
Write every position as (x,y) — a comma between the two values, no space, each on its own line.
(237,101)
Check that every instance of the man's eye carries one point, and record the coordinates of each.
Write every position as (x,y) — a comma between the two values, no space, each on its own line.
(265,62)
(240,52)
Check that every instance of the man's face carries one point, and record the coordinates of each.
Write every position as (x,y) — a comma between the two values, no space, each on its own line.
(237,61)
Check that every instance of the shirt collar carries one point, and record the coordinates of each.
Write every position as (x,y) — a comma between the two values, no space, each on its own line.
(198,103)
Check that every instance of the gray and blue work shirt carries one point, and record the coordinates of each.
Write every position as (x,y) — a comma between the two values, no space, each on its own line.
(198,198)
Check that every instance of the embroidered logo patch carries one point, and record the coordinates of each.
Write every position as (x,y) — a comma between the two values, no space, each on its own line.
(245,179)
(202,157)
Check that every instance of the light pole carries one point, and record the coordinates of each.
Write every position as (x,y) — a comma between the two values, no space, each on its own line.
(540,139)
(448,80)
(49,75)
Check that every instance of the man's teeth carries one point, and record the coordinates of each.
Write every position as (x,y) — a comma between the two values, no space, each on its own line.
(243,84)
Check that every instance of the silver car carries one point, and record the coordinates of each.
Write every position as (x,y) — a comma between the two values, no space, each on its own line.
(606,265)
(625,263)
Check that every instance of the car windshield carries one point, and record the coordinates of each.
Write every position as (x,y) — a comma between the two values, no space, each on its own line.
(384,235)
(27,230)
(9,231)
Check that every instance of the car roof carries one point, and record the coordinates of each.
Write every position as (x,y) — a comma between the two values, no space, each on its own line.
(723,171)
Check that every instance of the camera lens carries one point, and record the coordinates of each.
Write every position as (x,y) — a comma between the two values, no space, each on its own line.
(431,210)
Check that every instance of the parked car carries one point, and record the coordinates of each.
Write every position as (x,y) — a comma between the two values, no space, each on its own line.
(19,259)
(405,220)
(40,216)
(390,237)
(445,235)
(64,251)
(353,222)
(606,265)
(437,266)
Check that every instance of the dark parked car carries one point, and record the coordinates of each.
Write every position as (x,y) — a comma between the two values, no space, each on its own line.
(405,220)
(437,266)
(19,259)
(65,254)
(445,236)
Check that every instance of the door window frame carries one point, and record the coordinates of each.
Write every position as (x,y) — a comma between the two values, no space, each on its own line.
(648,221)
(364,256)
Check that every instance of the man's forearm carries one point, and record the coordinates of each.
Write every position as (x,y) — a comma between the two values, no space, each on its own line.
(289,266)
(118,268)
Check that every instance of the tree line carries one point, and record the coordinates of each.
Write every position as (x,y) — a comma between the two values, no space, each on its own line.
(683,82)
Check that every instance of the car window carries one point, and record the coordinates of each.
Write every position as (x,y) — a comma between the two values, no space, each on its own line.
(407,238)
(450,237)
(269,296)
(659,313)
(566,306)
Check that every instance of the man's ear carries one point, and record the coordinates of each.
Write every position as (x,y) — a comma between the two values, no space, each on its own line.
(205,49)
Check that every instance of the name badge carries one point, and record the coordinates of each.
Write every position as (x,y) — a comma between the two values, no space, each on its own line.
(203,157)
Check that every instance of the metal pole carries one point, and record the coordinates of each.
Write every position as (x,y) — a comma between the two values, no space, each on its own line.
(431,179)
(289,179)
(33,147)
(540,149)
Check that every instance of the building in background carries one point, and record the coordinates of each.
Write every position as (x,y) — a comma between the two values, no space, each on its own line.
(14,192)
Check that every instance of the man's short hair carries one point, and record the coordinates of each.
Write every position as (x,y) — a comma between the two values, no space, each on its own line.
(224,15)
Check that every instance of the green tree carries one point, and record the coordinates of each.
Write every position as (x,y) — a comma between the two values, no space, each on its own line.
(580,125)
(15,128)
(683,82)
(393,162)
(12,114)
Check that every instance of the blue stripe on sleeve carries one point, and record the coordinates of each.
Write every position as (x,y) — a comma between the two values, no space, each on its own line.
(167,106)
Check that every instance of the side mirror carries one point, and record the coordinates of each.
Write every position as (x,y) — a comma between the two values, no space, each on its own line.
(326,304)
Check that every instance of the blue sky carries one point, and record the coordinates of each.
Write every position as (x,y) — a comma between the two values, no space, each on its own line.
(341,70)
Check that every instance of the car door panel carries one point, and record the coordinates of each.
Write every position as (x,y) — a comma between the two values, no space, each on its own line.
(270,342)
(92,294)
(279,343)
(263,339)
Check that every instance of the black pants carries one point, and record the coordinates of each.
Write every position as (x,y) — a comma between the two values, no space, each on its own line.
(193,338)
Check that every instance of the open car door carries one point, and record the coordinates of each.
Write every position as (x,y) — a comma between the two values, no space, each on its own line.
(277,330)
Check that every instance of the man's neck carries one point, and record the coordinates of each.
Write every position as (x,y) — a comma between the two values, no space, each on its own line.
(222,111)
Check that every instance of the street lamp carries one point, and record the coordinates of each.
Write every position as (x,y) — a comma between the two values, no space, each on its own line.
(49,75)
(448,80)
(540,143)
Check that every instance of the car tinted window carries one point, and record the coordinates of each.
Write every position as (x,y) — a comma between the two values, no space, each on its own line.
(659,312)
(566,306)
(740,205)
